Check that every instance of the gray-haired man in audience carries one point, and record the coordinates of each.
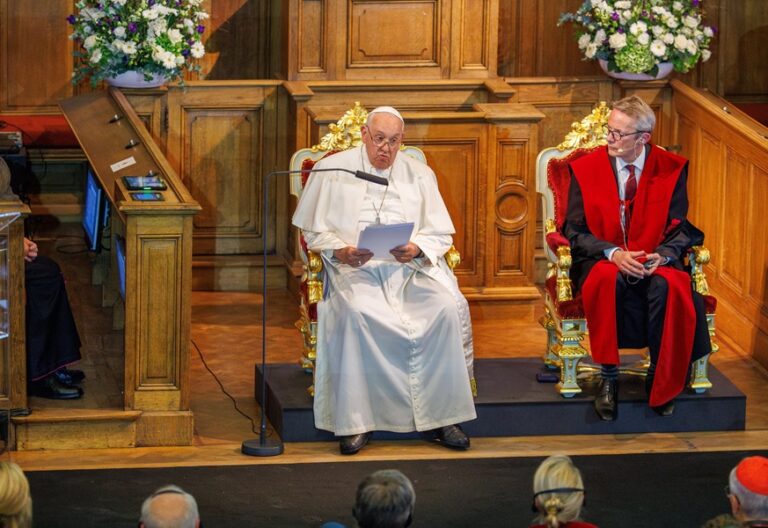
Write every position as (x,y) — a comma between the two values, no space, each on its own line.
(385,499)
(169,507)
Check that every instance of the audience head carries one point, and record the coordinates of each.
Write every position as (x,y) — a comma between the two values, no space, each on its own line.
(558,491)
(169,507)
(385,499)
(382,136)
(748,489)
(15,501)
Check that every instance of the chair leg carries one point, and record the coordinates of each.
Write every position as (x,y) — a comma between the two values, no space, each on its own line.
(569,352)
(551,361)
(699,376)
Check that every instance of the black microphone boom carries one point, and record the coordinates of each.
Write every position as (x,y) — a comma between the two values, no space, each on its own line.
(264,446)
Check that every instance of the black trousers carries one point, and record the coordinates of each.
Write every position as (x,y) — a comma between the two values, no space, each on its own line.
(52,338)
(640,310)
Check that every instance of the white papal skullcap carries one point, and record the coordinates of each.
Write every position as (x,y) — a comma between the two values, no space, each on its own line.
(386,110)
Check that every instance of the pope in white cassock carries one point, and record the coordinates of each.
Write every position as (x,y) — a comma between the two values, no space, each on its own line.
(394,334)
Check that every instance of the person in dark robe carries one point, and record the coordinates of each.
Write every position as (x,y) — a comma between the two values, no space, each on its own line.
(52,339)
(627,225)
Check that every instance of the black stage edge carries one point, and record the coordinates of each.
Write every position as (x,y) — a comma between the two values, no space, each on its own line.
(511,402)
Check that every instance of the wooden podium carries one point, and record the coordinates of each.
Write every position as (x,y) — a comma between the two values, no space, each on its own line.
(158,267)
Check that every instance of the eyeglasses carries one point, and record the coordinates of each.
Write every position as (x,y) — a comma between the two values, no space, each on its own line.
(618,135)
(380,140)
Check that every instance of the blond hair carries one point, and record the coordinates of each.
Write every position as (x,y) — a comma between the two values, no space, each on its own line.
(558,491)
(15,501)
(637,109)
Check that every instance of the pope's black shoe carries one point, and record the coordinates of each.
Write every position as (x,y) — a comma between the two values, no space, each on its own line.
(349,445)
(69,376)
(606,401)
(450,436)
(667,409)
(53,389)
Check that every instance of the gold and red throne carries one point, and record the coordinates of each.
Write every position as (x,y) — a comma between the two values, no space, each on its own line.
(564,318)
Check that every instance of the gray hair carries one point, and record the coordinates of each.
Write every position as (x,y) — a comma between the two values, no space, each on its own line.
(637,109)
(753,505)
(385,499)
(157,518)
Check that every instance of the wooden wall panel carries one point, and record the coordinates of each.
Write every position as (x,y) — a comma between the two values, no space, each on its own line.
(729,171)
(742,61)
(222,140)
(35,55)
(474,38)
(312,36)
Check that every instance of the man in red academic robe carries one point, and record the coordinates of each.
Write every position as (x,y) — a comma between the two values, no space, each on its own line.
(626,223)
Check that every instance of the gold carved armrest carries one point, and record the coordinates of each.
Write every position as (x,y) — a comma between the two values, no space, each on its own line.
(453,257)
(698,256)
(562,265)
(314,282)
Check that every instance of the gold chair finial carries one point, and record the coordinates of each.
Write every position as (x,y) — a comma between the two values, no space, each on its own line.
(345,133)
(589,132)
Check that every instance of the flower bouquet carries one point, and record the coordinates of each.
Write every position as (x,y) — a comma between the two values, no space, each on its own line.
(636,36)
(158,38)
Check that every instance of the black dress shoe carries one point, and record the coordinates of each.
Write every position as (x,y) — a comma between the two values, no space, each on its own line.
(349,445)
(450,436)
(606,401)
(667,409)
(69,376)
(53,389)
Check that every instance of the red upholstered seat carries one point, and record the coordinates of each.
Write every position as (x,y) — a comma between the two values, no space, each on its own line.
(41,131)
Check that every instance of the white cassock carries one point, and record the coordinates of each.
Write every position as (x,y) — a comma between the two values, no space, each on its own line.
(394,340)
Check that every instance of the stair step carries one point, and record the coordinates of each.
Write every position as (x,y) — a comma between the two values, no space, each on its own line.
(76,429)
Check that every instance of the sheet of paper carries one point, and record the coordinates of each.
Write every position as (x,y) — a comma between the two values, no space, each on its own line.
(380,238)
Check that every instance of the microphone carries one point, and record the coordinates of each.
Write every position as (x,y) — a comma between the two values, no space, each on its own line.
(264,446)
(368,177)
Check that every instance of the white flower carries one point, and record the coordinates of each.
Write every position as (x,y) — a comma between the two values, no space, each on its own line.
(119,2)
(92,13)
(591,50)
(623,4)
(681,42)
(129,48)
(617,40)
(197,50)
(201,15)
(90,41)
(174,35)
(625,16)
(705,55)
(708,31)
(150,14)
(691,47)
(677,6)
(638,27)
(644,38)
(657,30)
(600,37)
(179,60)
(584,40)
(668,38)
(690,21)
(119,32)
(95,56)
(658,48)
(672,22)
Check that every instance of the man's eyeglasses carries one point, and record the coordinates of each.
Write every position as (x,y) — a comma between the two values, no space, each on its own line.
(380,140)
(618,135)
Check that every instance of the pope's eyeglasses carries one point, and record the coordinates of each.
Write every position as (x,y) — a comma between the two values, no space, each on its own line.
(391,143)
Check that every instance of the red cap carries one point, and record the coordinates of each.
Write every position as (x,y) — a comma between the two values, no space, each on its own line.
(752,473)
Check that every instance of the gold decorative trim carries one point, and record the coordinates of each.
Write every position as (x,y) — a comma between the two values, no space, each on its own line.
(345,133)
(589,132)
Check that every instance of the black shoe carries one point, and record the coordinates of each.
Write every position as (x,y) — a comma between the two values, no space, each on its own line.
(606,401)
(667,409)
(53,389)
(69,376)
(450,436)
(349,445)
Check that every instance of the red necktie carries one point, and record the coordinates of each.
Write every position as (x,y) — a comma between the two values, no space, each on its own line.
(630,189)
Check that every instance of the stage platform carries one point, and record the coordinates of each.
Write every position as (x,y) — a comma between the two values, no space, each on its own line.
(511,402)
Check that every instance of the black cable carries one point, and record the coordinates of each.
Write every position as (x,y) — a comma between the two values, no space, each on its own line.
(221,386)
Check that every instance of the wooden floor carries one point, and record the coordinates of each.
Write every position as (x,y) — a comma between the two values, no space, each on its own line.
(226,332)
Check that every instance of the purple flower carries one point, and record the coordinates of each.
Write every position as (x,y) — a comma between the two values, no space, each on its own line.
(200,28)
(695,3)
(185,52)
(71,19)
(132,28)
(620,30)
(150,3)
(614,16)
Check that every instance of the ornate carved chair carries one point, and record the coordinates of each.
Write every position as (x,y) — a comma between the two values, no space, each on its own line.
(563,317)
(344,134)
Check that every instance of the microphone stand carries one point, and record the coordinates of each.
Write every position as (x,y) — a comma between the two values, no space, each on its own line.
(264,446)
